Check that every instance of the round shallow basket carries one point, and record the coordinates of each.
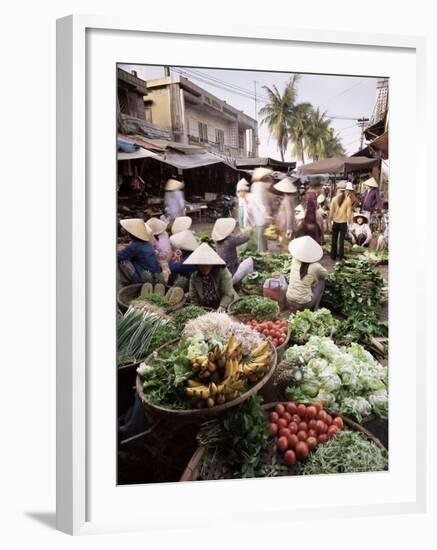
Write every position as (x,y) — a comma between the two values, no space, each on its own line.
(217,469)
(198,415)
(128,293)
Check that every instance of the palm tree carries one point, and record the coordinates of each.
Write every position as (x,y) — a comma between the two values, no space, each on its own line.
(334,147)
(299,125)
(318,135)
(277,112)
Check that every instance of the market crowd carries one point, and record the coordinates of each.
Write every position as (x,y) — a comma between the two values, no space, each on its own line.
(300,223)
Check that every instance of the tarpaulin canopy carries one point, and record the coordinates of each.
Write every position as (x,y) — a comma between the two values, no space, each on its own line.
(337,165)
(139,153)
(186,162)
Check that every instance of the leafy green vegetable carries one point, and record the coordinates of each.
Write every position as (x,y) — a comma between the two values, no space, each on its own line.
(135,333)
(164,380)
(306,323)
(345,379)
(360,328)
(241,438)
(163,335)
(181,317)
(261,309)
(353,287)
(347,452)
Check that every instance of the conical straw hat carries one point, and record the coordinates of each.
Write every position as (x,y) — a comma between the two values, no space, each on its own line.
(156,226)
(204,255)
(371,182)
(286,185)
(243,185)
(181,224)
(361,215)
(260,173)
(321,199)
(223,227)
(137,228)
(173,185)
(341,184)
(184,240)
(305,249)
(349,186)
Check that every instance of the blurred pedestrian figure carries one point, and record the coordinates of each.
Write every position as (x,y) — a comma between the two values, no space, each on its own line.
(350,192)
(340,215)
(312,223)
(285,218)
(242,215)
(371,198)
(260,203)
(174,200)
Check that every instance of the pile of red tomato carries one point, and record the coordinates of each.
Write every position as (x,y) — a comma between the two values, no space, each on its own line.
(300,428)
(275,331)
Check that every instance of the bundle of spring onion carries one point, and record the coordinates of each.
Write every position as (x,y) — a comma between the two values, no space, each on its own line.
(135,331)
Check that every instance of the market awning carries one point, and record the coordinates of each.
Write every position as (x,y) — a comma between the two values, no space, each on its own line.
(139,153)
(337,165)
(186,162)
(254,162)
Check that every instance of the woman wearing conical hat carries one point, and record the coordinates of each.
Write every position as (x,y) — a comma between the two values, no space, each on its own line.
(285,218)
(183,243)
(227,241)
(139,255)
(211,283)
(307,276)
(371,198)
(162,243)
(174,199)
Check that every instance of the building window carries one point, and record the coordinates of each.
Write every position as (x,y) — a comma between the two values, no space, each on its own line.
(203,132)
(220,139)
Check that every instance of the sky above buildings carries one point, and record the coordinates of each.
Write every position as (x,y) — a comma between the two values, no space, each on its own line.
(344,98)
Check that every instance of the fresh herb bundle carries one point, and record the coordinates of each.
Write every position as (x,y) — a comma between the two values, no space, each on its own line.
(181,317)
(240,436)
(353,287)
(261,309)
(347,452)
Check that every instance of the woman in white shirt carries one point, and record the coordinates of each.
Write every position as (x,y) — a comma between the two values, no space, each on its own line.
(359,231)
(307,276)
(174,200)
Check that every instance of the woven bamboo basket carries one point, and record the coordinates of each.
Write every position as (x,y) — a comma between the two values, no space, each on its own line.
(218,468)
(199,415)
(130,292)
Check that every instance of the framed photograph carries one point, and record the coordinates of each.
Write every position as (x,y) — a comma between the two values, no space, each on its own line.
(234,322)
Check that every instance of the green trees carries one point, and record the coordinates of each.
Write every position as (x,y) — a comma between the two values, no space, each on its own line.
(308,130)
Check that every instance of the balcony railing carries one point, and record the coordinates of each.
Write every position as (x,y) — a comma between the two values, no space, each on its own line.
(235,152)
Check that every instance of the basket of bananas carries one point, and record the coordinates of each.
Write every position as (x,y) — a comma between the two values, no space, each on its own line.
(202,379)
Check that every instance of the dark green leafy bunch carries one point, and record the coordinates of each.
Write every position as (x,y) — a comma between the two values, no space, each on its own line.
(164,335)
(353,287)
(181,317)
(205,237)
(241,436)
(165,379)
(360,328)
(261,309)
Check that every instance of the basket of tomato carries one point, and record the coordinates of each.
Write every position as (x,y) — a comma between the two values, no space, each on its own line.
(298,429)
(275,331)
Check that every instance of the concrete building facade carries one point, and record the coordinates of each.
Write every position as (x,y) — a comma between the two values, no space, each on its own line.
(196,117)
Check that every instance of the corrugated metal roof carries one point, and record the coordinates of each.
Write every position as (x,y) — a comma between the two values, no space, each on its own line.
(262,161)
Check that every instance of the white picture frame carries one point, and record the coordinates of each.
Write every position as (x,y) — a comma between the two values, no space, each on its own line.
(79,37)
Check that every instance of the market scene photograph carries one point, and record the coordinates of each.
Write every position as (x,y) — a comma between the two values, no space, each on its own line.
(252,274)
